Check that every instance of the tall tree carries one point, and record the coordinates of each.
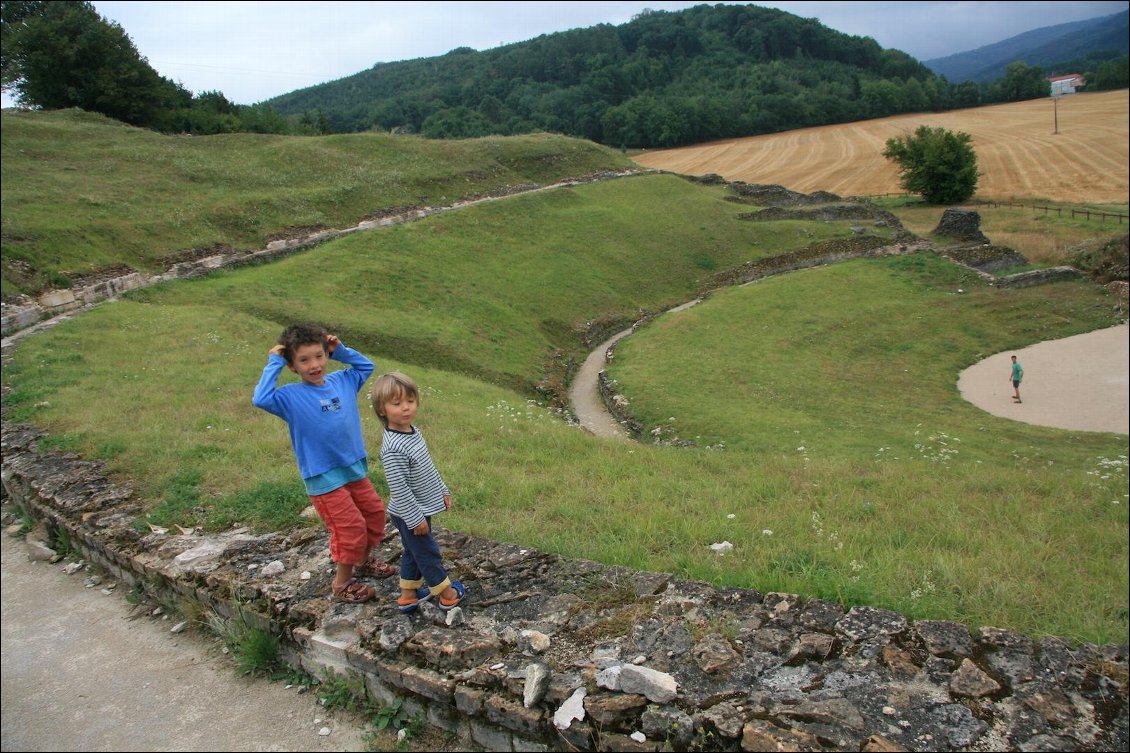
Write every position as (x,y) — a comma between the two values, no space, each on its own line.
(63,54)
(1023,81)
(1113,74)
(939,165)
(13,16)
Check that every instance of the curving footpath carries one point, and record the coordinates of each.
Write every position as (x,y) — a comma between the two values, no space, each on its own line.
(1080,383)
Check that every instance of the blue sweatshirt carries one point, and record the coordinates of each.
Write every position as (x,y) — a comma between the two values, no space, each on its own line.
(323,421)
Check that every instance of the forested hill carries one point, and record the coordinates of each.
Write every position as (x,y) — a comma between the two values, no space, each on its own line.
(663,79)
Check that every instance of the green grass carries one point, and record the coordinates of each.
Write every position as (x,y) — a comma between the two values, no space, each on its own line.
(81,191)
(488,290)
(917,500)
(828,394)
(1043,237)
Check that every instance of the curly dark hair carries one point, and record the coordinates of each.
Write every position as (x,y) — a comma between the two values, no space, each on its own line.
(297,335)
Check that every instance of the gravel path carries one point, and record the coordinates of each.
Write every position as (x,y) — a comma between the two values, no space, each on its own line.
(584,395)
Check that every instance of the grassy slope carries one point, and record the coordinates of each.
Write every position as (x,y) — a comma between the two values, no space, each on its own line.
(875,509)
(934,503)
(81,191)
(489,290)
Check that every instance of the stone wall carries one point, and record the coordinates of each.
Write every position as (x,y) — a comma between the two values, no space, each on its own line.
(18,317)
(961,224)
(549,653)
(985,257)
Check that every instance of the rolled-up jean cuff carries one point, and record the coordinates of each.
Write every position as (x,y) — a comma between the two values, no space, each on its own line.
(440,587)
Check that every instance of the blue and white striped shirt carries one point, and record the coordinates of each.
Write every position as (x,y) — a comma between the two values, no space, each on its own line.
(415,487)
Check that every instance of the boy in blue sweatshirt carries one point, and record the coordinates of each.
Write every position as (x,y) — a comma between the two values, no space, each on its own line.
(325,431)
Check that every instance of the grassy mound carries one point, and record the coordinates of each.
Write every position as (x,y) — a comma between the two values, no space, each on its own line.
(82,192)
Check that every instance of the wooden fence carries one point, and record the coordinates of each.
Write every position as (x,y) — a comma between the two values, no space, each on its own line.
(1088,213)
(1059,211)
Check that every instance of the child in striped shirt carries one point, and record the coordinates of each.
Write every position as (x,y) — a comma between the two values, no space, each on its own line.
(416,493)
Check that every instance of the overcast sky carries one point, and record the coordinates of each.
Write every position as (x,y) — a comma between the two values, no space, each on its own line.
(252,51)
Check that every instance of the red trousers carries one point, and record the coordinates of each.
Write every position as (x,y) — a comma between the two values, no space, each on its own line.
(355,516)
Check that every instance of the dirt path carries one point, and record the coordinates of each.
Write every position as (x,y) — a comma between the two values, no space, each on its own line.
(1080,382)
(584,394)
(79,675)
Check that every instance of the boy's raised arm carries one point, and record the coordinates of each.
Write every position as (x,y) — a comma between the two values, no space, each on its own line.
(339,351)
(264,396)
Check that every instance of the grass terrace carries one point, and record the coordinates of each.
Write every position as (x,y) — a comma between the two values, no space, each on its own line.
(833,451)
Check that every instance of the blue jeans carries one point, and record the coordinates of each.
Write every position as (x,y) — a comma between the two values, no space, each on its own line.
(422,561)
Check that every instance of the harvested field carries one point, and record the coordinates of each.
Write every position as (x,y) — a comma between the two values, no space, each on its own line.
(1018,151)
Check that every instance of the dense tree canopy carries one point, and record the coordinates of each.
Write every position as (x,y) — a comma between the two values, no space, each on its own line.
(1113,74)
(1020,82)
(939,165)
(663,79)
(64,54)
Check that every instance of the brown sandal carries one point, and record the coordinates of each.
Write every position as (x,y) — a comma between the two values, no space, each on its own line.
(374,568)
(354,592)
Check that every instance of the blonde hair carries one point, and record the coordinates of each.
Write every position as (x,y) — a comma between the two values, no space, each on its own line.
(388,387)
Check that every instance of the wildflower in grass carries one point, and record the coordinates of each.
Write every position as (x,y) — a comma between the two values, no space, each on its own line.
(938,447)
(817,524)
(834,540)
(927,586)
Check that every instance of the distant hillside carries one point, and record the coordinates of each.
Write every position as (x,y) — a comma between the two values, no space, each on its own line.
(663,79)
(1096,39)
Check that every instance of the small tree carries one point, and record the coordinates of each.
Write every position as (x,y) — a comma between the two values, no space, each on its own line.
(939,165)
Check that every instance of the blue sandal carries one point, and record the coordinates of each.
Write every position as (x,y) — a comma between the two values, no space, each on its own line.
(422,595)
(446,605)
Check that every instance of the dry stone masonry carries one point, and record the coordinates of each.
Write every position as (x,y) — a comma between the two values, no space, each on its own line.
(549,653)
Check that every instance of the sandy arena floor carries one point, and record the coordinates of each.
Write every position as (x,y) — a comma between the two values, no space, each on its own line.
(1080,382)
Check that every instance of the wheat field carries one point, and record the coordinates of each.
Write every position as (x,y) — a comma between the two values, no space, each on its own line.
(1020,153)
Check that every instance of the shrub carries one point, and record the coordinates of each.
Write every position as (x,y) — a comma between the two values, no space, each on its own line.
(938,164)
